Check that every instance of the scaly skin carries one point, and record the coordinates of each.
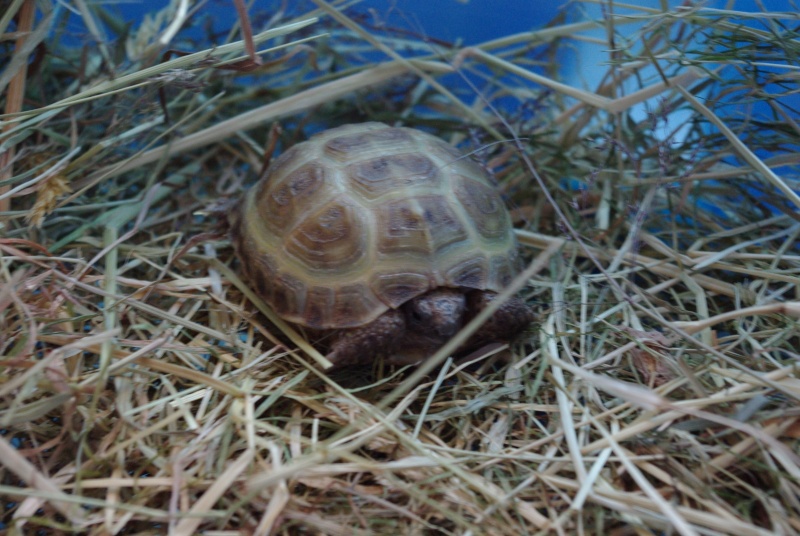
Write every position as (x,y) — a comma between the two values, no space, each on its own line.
(360,345)
(424,324)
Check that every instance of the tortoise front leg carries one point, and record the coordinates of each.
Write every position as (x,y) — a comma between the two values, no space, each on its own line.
(506,324)
(360,345)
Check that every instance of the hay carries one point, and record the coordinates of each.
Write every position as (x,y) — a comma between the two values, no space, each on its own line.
(145,389)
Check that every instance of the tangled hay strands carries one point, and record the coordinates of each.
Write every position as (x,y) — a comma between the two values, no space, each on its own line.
(144,387)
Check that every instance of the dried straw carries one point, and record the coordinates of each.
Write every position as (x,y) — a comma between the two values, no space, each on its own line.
(144,388)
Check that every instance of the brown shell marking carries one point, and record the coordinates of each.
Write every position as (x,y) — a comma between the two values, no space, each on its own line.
(385,174)
(328,238)
(423,225)
(363,218)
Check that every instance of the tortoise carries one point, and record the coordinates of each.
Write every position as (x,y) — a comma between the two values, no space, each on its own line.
(389,237)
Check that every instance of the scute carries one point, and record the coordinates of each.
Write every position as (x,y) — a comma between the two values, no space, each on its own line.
(349,147)
(387,173)
(363,218)
(396,288)
(287,198)
(485,207)
(332,238)
(503,268)
(352,303)
(423,225)
(288,296)
(469,273)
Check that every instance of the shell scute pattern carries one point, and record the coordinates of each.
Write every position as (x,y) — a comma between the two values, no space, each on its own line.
(348,147)
(424,225)
(330,239)
(397,287)
(484,206)
(385,174)
(287,200)
(363,218)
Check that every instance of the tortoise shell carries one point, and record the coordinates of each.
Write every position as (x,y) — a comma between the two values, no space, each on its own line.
(362,218)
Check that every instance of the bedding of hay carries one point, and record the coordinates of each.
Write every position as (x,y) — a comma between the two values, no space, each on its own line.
(145,390)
